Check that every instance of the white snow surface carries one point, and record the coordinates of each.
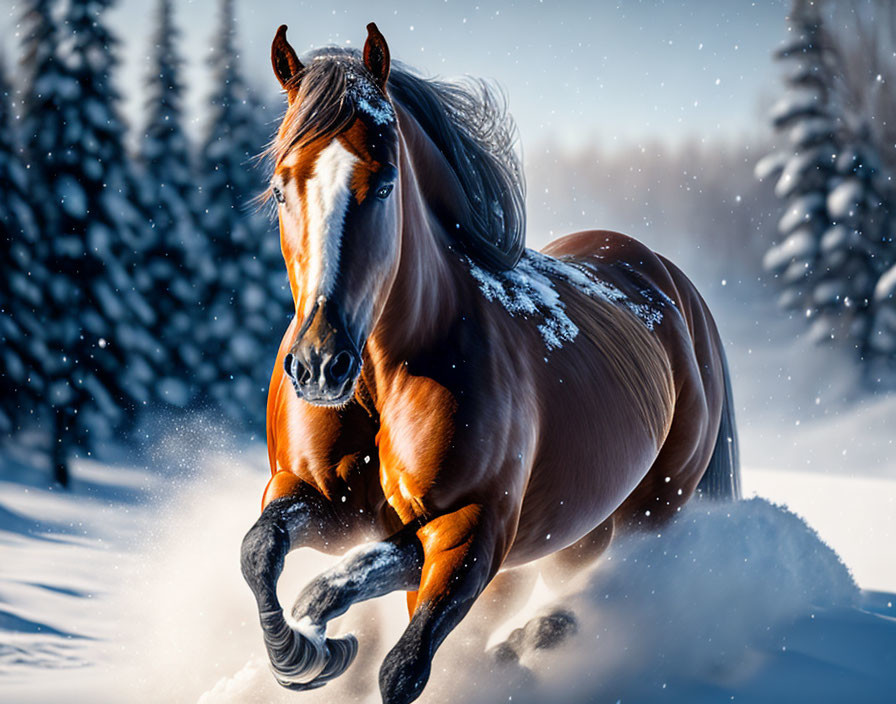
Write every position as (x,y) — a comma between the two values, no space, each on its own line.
(128,590)
(792,105)
(800,211)
(770,165)
(798,246)
(845,199)
(886,285)
(811,131)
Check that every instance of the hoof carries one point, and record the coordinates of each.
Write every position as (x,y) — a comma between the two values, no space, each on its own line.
(551,630)
(340,654)
(541,633)
(404,673)
(504,654)
(297,686)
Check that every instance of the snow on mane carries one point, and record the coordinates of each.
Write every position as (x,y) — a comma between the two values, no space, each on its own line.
(368,99)
(529,289)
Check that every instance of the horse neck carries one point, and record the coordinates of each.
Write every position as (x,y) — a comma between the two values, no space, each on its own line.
(425,295)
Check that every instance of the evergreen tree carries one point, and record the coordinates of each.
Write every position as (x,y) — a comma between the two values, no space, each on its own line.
(804,171)
(42,124)
(882,337)
(176,266)
(91,233)
(21,382)
(245,315)
(836,225)
(854,248)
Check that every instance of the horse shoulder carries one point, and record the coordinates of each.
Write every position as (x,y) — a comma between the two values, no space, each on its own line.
(444,445)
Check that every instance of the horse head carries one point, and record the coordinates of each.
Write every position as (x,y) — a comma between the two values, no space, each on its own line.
(336,186)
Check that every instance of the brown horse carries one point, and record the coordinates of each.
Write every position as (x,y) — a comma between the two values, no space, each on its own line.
(466,404)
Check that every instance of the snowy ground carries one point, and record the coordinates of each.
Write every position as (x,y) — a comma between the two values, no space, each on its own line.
(109,595)
(127,589)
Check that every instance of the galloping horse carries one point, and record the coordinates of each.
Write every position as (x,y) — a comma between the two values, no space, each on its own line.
(464,403)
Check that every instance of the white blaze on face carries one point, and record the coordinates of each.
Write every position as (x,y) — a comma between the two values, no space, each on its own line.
(327,195)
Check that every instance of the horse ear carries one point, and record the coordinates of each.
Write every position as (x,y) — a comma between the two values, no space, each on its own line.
(287,66)
(376,56)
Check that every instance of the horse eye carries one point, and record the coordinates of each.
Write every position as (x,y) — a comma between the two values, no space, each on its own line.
(383,191)
(278,195)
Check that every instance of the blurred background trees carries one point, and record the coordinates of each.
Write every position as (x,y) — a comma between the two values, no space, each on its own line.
(130,281)
(94,318)
(21,385)
(175,266)
(248,297)
(834,174)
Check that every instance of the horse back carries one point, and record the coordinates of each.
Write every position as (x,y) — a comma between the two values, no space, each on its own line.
(639,401)
(682,325)
(690,341)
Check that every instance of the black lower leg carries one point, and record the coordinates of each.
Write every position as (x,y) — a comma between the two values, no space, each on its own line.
(406,669)
(366,572)
(265,547)
(287,523)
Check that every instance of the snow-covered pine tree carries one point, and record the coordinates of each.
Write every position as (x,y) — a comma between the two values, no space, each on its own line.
(176,268)
(837,226)
(868,82)
(244,313)
(806,168)
(93,317)
(42,126)
(21,283)
(882,338)
(854,248)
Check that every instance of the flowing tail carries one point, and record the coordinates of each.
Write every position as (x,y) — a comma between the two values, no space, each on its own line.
(721,481)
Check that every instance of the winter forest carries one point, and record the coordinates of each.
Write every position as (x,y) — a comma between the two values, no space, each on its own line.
(144,295)
(158,289)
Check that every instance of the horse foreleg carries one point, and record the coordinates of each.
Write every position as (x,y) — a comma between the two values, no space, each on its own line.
(461,555)
(299,517)
(366,572)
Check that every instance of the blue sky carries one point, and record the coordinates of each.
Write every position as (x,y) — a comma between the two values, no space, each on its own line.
(574,71)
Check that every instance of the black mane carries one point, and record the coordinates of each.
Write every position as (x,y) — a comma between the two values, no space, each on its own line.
(468,122)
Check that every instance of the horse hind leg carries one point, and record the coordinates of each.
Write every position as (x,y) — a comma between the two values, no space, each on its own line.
(540,633)
(551,629)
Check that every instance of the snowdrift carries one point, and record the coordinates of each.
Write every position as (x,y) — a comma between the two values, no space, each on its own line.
(741,601)
(121,599)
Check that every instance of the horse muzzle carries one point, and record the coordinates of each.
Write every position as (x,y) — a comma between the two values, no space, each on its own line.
(324,363)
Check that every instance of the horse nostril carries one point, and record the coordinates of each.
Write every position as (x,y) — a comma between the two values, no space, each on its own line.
(288,361)
(341,367)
